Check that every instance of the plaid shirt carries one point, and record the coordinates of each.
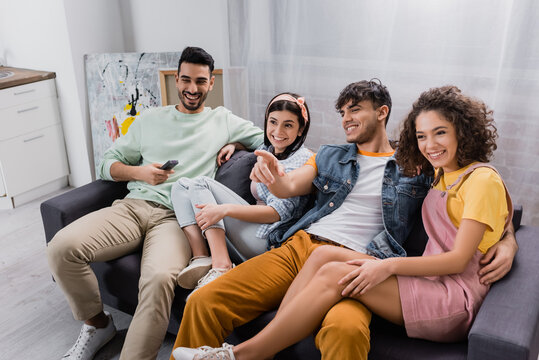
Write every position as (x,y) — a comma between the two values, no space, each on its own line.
(286,208)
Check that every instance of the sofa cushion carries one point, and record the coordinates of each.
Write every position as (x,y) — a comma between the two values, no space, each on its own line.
(234,174)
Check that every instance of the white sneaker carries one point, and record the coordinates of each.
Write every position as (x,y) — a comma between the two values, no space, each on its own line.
(90,341)
(208,278)
(204,353)
(191,274)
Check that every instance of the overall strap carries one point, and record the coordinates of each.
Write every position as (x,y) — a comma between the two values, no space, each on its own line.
(468,171)
(507,196)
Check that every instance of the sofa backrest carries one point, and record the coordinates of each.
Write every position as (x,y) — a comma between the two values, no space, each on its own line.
(235,174)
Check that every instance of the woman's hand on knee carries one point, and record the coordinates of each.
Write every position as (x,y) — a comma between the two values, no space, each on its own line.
(209,215)
(368,274)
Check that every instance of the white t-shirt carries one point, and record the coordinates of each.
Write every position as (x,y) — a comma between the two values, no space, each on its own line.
(359,219)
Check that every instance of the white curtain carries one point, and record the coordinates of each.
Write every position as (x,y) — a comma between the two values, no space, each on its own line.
(488,48)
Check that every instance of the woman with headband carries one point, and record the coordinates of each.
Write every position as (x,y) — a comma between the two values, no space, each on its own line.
(207,211)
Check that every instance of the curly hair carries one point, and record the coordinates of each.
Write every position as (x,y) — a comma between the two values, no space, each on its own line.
(473,122)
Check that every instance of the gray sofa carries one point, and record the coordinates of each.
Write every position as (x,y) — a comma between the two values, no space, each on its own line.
(505,328)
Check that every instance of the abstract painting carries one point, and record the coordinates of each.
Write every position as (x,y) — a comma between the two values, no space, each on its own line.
(120,86)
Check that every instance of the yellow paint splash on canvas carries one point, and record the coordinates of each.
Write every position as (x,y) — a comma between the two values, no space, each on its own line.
(128,121)
(126,124)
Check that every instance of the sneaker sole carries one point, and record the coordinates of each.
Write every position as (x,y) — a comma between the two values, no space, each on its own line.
(104,343)
(188,279)
(107,341)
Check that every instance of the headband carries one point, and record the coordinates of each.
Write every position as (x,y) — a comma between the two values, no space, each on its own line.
(300,101)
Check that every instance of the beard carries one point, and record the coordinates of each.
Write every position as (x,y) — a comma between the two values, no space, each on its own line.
(367,134)
(190,107)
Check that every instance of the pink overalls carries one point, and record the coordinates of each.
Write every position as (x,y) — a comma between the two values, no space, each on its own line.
(442,308)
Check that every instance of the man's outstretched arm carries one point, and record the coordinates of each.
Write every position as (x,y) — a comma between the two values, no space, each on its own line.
(498,260)
(270,172)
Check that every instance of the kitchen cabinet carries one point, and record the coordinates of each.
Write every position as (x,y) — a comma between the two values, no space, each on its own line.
(33,159)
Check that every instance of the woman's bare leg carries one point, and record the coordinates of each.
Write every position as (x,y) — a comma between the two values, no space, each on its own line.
(319,257)
(219,253)
(216,242)
(196,240)
(384,300)
(304,312)
(300,317)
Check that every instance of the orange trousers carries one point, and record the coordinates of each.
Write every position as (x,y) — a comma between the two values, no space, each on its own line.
(257,286)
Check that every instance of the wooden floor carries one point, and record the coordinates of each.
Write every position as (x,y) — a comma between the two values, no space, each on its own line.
(35,320)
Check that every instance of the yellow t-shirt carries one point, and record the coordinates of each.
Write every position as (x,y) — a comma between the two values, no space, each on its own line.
(479,196)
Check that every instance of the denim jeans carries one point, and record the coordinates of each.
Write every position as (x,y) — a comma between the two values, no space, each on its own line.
(186,193)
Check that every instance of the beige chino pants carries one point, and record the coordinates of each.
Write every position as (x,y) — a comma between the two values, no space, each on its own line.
(128,225)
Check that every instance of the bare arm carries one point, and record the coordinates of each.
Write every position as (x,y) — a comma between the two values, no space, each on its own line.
(212,213)
(454,261)
(148,173)
(227,151)
(263,214)
(498,260)
(371,272)
(270,172)
(239,146)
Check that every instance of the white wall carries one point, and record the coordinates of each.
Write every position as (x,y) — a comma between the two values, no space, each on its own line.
(92,27)
(34,35)
(171,25)
(54,35)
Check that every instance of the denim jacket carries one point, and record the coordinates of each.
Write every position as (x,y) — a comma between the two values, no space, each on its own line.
(402,198)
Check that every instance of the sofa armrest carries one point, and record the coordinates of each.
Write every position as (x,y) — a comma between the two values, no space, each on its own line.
(517,216)
(63,209)
(507,325)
